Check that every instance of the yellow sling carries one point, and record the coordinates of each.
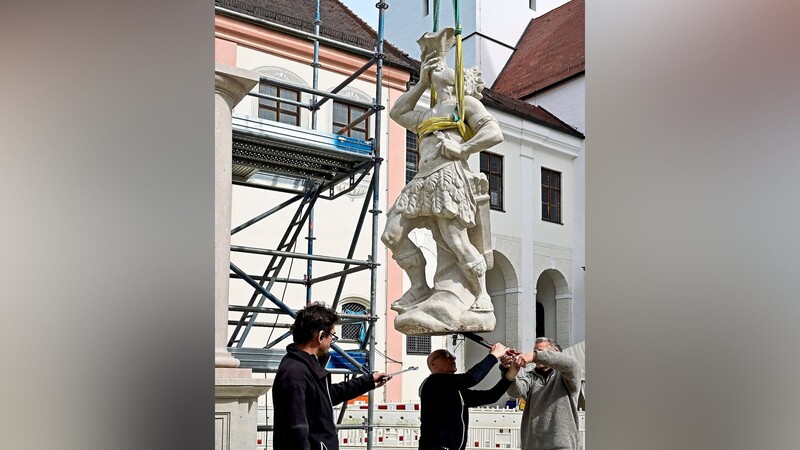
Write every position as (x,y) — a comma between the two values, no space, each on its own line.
(459,119)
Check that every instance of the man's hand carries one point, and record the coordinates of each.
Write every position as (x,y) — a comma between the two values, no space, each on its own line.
(380,378)
(498,350)
(513,370)
(523,359)
(508,358)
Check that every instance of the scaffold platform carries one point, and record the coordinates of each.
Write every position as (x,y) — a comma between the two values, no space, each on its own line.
(274,148)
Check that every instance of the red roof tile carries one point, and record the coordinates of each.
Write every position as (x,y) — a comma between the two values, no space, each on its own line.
(337,22)
(551,50)
(519,108)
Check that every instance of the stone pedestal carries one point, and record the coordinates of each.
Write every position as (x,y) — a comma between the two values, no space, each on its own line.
(236,408)
(236,392)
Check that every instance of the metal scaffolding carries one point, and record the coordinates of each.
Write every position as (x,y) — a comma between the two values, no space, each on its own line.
(311,165)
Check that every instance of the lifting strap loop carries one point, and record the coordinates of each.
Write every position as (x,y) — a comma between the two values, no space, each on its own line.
(459,117)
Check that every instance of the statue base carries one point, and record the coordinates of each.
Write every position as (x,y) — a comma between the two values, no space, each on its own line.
(442,313)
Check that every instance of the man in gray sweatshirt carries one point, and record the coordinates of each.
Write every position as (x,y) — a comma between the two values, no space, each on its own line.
(550,388)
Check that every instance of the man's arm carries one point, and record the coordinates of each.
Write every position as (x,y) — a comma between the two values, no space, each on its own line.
(479,371)
(521,384)
(474,375)
(479,398)
(347,390)
(566,365)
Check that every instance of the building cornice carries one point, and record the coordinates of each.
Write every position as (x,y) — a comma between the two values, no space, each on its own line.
(300,50)
(538,136)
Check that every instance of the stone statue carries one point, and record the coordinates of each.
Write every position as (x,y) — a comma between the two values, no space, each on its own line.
(446,198)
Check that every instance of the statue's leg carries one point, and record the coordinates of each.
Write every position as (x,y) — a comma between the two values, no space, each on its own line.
(408,256)
(470,260)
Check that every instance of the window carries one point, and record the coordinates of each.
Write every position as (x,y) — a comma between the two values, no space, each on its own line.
(343,114)
(412,155)
(551,195)
(279,111)
(353,331)
(418,345)
(492,167)
(426,8)
(532,4)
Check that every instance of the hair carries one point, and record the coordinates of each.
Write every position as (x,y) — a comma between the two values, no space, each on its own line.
(314,317)
(473,83)
(551,343)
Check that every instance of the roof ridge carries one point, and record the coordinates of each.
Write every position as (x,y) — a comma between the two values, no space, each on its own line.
(516,47)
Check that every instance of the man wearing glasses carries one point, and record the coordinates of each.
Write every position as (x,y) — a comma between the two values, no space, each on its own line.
(446,397)
(303,394)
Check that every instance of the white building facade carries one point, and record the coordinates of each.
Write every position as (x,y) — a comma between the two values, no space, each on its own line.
(538,262)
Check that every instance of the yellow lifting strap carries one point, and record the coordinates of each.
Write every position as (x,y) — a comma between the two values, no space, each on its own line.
(459,118)
(444,123)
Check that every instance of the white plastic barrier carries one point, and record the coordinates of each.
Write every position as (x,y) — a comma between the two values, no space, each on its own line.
(397,427)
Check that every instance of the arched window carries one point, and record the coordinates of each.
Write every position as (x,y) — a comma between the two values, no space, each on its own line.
(353,331)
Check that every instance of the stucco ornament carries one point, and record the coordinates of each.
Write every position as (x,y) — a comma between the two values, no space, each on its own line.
(445,197)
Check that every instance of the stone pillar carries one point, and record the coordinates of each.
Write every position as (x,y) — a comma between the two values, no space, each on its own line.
(564,320)
(236,392)
(230,86)
(526,306)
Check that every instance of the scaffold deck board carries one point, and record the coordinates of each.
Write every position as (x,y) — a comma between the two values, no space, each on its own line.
(276,148)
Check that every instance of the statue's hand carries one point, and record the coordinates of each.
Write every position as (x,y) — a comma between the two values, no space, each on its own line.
(448,147)
(427,68)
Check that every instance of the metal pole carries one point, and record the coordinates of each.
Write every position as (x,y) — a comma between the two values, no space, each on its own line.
(331,259)
(266,214)
(315,65)
(356,121)
(315,85)
(263,291)
(382,6)
(345,82)
(279,99)
(353,243)
(321,93)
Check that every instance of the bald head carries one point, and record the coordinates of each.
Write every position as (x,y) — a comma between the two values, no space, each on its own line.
(441,361)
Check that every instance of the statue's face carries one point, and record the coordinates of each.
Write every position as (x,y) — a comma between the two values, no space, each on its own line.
(443,76)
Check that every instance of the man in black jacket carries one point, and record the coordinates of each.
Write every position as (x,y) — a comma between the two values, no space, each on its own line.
(303,394)
(445,397)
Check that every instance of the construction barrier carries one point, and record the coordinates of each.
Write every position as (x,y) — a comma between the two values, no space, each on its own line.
(397,427)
